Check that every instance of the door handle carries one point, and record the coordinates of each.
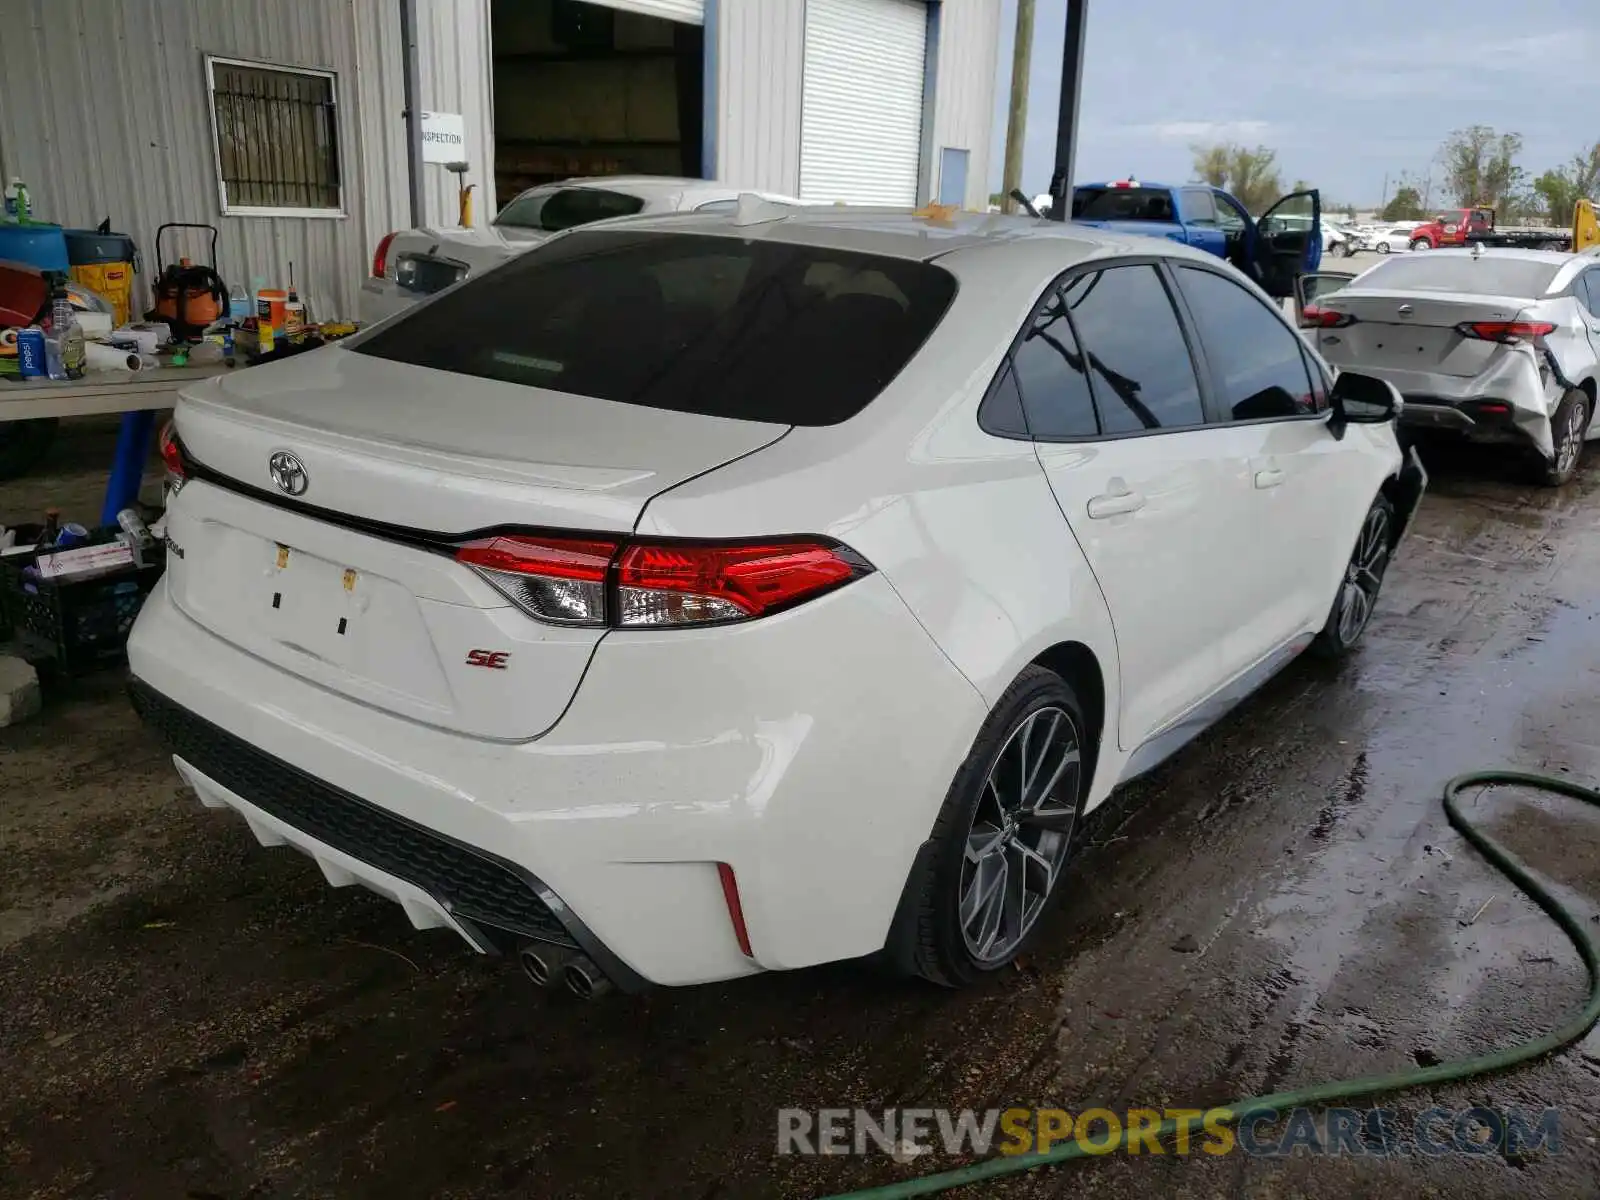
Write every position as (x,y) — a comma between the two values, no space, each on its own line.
(1270,478)
(1101,507)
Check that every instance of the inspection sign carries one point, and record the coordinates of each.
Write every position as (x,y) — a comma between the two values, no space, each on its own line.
(444,137)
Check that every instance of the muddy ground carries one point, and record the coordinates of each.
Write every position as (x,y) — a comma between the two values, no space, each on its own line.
(186,1014)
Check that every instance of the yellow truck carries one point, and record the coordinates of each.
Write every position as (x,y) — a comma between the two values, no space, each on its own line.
(1585,228)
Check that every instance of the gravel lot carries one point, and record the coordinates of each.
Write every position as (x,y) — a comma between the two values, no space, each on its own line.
(190,1015)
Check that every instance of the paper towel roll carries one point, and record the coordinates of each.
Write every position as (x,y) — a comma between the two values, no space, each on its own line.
(8,338)
(104,358)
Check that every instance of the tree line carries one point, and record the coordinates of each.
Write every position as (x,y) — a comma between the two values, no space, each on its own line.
(1475,167)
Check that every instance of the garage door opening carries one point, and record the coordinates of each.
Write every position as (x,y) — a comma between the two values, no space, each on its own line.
(596,89)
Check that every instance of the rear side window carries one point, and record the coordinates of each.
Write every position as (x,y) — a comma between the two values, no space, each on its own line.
(754,330)
(566,208)
(1138,360)
(1256,364)
(1122,204)
(1053,376)
(1587,290)
(1485,275)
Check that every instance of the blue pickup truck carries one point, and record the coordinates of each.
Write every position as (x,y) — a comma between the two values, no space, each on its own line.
(1275,249)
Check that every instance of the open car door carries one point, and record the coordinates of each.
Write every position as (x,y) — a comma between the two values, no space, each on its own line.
(1288,242)
(1585,227)
(1308,289)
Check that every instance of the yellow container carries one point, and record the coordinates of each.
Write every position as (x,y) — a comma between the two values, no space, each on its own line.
(114,281)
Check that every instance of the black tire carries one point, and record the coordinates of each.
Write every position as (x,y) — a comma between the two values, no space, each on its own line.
(1571,419)
(1382,247)
(1345,250)
(1422,244)
(23,444)
(935,945)
(1369,562)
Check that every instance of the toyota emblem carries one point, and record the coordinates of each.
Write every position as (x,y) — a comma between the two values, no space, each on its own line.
(288,472)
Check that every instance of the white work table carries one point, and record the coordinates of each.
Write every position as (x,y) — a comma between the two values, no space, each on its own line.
(100,392)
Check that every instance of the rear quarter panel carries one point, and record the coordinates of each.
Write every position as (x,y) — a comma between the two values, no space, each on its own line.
(962,524)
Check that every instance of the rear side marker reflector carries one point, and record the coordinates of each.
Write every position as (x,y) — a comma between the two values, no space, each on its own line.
(730,896)
(571,581)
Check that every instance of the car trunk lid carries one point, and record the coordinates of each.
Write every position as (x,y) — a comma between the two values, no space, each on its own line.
(350,583)
(1411,332)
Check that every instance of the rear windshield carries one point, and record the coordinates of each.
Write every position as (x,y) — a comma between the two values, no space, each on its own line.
(1122,204)
(555,211)
(754,330)
(1489,275)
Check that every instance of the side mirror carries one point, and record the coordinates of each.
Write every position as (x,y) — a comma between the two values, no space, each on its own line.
(1359,399)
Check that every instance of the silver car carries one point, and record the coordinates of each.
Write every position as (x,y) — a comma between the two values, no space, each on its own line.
(1499,346)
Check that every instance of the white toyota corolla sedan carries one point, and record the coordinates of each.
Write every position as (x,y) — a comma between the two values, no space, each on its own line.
(704,595)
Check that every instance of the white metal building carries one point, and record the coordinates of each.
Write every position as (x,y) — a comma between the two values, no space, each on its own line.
(283,121)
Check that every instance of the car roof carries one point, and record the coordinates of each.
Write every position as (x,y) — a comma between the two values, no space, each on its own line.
(925,234)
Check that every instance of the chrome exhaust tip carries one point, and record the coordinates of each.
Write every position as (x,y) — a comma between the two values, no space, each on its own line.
(543,963)
(585,980)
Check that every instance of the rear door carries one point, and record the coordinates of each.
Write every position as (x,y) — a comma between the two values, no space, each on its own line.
(1148,488)
(1288,242)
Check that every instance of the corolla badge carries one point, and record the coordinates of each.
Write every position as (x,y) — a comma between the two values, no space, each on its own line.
(288,472)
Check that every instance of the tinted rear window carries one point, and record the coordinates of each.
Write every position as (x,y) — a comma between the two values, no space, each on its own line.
(555,211)
(754,330)
(1122,204)
(1489,275)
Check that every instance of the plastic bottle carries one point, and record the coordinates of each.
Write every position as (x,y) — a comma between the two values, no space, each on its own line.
(64,352)
(17,201)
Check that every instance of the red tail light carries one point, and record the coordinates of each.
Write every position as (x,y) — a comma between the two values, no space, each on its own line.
(574,581)
(1315,317)
(689,584)
(380,256)
(1508,332)
(172,456)
(559,580)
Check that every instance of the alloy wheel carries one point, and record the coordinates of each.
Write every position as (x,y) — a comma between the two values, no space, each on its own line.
(1364,576)
(1571,444)
(1020,833)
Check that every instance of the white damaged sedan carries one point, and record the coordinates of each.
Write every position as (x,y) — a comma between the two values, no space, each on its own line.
(1499,346)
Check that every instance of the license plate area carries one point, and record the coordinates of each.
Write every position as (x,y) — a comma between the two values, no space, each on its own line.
(316,605)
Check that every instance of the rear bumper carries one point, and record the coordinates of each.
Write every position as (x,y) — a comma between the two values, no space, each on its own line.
(810,751)
(1468,406)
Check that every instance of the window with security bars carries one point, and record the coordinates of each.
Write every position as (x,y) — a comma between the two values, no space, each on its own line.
(277,138)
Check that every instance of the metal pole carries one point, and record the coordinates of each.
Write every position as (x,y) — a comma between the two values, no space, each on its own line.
(1067,115)
(411,74)
(1017,118)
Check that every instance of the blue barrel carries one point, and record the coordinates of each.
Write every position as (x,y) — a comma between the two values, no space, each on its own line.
(41,246)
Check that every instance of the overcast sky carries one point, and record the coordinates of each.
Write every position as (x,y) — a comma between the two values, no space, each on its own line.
(1344,91)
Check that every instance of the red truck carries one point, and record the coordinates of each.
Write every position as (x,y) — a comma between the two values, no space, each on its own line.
(1475,227)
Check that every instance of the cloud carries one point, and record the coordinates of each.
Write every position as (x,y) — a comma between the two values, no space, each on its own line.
(1184,133)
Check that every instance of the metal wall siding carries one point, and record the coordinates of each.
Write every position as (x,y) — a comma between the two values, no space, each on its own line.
(969,45)
(760,56)
(104,112)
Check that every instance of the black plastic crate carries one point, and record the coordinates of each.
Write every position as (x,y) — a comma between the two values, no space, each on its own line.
(79,624)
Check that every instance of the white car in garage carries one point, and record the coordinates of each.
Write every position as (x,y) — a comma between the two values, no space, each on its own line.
(409,265)
(705,595)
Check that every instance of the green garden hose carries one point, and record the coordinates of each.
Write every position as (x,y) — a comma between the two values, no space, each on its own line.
(1348,1089)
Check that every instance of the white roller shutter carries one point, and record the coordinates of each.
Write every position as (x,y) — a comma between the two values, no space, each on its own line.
(690,12)
(861,103)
